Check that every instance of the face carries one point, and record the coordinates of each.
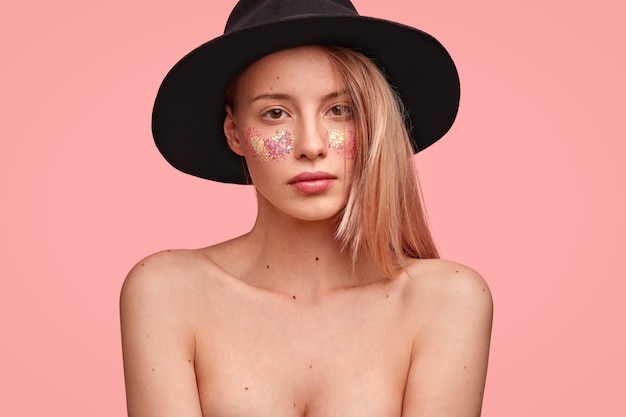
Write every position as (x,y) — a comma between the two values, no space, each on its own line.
(291,119)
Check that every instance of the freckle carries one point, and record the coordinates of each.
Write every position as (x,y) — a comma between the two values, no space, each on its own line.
(294,404)
(143,264)
(169,250)
(387,295)
(456,272)
(310,366)
(293,296)
(189,360)
(246,388)
(484,290)
(147,337)
(277,77)
(465,367)
(152,369)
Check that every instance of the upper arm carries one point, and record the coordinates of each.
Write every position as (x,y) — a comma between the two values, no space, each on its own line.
(450,351)
(158,342)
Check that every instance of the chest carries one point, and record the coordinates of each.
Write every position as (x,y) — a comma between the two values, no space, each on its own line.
(346,359)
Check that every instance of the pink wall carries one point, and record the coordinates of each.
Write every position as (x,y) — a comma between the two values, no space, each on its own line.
(528,188)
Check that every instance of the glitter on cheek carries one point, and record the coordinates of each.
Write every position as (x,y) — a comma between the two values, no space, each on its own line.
(256,143)
(280,145)
(337,140)
(272,148)
(350,145)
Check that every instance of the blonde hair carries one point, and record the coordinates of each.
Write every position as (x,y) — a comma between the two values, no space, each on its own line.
(384,218)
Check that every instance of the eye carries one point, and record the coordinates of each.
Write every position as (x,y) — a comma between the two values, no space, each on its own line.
(340,110)
(275,114)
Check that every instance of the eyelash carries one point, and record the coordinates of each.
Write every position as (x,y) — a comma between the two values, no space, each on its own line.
(270,113)
(346,111)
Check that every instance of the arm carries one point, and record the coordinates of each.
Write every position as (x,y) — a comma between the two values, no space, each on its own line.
(449,357)
(158,341)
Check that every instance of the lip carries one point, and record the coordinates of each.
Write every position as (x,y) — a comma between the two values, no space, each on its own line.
(312,182)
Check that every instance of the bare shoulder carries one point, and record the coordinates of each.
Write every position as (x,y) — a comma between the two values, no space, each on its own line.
(444,278)
(165,274)
(158,308)
(450,313)
(448,290)
(172,282)
(177,281)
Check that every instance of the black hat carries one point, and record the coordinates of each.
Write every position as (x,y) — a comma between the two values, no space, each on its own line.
(189,110)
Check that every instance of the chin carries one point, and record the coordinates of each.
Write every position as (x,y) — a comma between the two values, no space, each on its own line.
(318,217)
(315,213)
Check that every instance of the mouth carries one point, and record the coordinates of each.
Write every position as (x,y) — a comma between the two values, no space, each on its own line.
(312,182)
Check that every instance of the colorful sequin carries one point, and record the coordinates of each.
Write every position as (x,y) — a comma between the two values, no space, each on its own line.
(282,143)
(272,148)
(336,139)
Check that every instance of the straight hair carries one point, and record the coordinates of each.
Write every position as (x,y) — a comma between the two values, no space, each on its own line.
(384,220)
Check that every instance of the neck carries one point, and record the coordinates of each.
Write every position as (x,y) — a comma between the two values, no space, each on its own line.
(299,258)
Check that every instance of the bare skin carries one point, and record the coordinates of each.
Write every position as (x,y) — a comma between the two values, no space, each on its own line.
(276,322)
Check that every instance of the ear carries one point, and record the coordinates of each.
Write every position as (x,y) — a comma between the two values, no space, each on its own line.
(230,130)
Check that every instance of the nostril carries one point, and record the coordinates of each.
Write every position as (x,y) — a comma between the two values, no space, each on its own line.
(311,145)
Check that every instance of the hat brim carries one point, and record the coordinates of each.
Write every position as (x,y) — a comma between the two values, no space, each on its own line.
(189,109)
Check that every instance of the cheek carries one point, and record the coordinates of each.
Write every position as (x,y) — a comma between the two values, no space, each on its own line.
(269,147)
(343,141)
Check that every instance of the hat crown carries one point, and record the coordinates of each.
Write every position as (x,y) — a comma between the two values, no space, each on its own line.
(249,13)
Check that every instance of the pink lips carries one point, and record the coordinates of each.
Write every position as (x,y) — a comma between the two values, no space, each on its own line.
(312,182)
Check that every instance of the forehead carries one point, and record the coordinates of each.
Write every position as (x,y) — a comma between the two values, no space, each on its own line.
(307,70)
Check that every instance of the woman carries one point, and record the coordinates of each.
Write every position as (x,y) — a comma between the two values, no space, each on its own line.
(335,303)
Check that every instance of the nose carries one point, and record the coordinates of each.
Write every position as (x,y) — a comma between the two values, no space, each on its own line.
(310,141)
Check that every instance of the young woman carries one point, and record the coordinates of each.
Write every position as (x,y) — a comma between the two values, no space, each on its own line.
(335,303)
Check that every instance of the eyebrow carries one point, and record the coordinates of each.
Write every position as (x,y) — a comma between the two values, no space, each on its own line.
(281,96)
(275,96)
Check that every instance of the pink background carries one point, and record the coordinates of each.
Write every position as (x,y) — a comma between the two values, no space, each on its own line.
(528,188)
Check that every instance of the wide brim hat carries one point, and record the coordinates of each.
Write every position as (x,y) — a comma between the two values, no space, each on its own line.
(189,110)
